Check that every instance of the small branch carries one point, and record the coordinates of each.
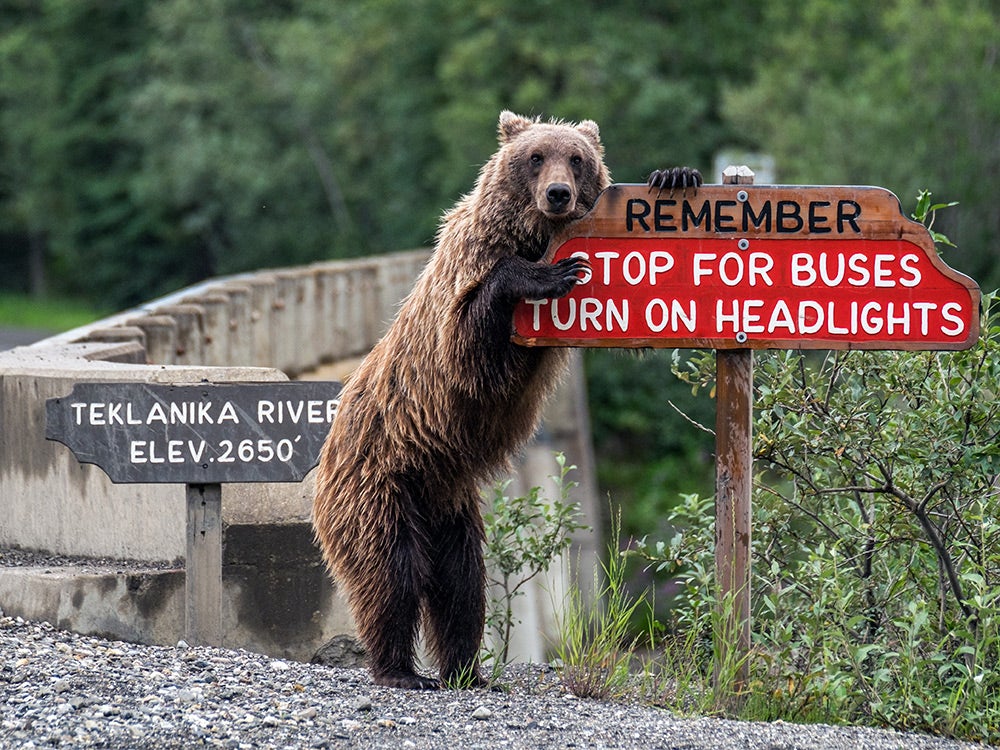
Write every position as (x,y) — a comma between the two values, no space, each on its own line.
(940,548)
(802,509)
(839,357)
(853,489)
(932,492)
(688,419)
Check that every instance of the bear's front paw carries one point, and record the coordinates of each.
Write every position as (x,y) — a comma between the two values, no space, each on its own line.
(562,276)
(673,178)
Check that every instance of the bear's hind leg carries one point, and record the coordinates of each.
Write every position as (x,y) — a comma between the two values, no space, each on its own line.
(456,598)
(387,612)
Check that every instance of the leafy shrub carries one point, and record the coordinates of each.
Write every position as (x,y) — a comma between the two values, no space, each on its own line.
(876,541)
(876,544)
(524,535)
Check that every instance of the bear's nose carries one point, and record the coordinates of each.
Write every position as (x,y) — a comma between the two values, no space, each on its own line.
(558,195)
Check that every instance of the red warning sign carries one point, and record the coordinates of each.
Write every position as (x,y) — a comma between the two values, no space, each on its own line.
(740,266)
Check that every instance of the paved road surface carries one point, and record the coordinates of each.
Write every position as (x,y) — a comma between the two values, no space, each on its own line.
(11,337)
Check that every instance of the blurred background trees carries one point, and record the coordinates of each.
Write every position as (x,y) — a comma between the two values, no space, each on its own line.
(147,145)
(144,145)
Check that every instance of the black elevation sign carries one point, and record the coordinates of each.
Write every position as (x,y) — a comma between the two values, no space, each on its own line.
(196,434)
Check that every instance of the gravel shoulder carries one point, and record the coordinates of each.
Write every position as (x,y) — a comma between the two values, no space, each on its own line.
(59,689)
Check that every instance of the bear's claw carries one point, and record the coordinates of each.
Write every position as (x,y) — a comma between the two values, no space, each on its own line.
(673,178)
(572,266)
(406,680)
(567,272)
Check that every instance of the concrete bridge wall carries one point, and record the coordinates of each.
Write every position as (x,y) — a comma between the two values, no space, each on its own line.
(304,322)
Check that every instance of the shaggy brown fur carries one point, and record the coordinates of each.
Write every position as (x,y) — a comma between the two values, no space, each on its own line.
(443,400)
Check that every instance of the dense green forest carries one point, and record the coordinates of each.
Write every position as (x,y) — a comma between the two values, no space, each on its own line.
(146,145)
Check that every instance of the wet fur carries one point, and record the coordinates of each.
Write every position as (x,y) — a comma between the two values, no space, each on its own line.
(442,401)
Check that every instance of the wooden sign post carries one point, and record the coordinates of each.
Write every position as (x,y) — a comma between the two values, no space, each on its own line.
(737,267)
(201,436)
(203,565)
(733,483)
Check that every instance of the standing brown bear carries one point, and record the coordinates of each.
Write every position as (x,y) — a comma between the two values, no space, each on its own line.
(443,400)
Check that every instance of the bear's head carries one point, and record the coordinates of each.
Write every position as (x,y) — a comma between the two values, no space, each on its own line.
(556,168)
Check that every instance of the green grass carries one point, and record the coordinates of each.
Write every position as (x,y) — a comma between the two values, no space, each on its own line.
(48,314)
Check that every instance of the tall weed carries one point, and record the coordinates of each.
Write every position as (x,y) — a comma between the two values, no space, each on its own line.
(595,639)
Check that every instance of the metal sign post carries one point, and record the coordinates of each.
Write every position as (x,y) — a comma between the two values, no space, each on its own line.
(202,436)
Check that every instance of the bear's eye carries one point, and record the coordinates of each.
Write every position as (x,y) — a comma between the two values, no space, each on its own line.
(576,161)
(536,160)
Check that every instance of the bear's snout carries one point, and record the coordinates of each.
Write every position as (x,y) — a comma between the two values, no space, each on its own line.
(559,195)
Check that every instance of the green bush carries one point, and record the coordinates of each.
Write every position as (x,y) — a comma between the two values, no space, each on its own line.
(876,544)
(524,535)
(876,539)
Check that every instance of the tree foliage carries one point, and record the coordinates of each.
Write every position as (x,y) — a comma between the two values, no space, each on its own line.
(65,72)
(901,94)
(147,145)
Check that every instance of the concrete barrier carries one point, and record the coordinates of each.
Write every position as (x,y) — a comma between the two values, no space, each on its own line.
(264,326)
(55,504)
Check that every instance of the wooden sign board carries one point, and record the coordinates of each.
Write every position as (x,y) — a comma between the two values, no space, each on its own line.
(196,434)
(754,267)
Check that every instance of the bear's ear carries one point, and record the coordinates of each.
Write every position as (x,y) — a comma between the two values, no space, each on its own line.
(589,128)
(511,126)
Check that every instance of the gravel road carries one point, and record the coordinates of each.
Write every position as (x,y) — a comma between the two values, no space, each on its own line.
(58,689)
